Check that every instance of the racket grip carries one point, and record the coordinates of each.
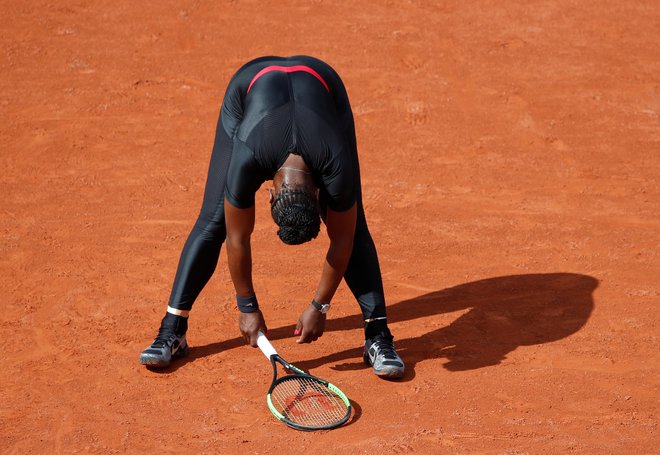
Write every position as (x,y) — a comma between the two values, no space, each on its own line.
(265,345)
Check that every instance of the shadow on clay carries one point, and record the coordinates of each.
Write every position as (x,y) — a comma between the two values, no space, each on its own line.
(499,315)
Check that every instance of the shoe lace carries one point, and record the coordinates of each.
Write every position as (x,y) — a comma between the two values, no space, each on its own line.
(386,346)
(164,335)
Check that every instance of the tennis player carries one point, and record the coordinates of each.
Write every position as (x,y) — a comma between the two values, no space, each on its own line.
(285,119)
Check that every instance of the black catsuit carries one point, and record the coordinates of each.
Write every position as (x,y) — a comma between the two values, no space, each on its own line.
(275,106)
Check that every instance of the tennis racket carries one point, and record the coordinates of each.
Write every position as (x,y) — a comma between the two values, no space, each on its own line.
(300,400)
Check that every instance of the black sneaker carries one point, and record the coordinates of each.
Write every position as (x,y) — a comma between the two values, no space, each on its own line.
(379,353)
(168,345)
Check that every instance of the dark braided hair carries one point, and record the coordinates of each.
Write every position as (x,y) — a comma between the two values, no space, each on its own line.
(297,215)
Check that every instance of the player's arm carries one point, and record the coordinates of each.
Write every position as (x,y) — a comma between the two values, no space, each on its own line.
(341,231)
(240,224)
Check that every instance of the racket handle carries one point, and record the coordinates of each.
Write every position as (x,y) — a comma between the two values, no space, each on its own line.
(265,345)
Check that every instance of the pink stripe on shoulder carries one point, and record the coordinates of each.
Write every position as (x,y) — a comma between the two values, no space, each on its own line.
(288,69)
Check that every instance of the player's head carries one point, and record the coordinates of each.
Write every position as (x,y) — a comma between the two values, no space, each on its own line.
(295,210)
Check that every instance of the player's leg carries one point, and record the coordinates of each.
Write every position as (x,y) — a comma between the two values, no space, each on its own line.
(365,281)
(197,262)
(363,278)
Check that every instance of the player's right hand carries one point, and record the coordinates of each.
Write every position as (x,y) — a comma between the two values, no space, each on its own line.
(250,324)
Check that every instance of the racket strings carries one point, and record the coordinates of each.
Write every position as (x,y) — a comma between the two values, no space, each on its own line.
(307,402)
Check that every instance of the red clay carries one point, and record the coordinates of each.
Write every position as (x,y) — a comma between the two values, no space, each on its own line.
(510,160)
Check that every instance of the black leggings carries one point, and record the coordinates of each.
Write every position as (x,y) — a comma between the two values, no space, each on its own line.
(202,249)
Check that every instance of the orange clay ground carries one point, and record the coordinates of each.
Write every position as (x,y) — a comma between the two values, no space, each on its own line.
(510,154)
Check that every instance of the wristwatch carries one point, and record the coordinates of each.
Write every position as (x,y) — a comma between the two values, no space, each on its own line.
(323,308)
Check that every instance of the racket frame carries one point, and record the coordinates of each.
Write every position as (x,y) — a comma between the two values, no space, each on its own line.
(270,352)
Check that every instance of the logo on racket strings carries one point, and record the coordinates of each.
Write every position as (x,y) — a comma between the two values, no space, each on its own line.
(310,402)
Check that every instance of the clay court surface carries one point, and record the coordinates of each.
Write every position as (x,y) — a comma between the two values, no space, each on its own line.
(510,154)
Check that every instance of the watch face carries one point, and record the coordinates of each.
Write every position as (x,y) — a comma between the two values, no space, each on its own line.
(325,307)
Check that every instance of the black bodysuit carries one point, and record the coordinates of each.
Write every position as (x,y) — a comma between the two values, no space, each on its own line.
(275,106)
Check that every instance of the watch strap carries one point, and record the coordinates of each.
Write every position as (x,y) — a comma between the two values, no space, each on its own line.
(322,308)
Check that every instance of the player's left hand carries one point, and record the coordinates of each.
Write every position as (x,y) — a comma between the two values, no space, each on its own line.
(311,325)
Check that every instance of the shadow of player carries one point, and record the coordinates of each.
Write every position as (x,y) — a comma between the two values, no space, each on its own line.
(502,314)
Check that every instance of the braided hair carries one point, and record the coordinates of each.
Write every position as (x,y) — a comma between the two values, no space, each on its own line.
(297,215)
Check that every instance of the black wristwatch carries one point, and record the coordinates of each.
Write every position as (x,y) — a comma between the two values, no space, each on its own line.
(323,308)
